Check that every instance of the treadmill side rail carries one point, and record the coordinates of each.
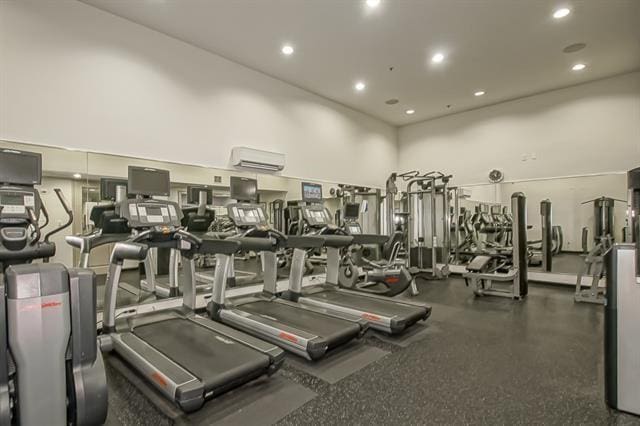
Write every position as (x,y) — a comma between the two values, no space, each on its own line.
(297,341)
(374,320)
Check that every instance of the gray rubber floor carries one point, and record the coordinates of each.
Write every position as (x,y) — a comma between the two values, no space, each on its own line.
(478,361)
(565,263)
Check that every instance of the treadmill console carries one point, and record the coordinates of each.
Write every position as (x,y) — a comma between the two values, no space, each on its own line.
(316,215)
(244,215)
(147,213)
(353,228)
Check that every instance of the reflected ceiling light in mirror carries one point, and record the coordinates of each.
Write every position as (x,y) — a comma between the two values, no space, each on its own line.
(578,67)
(561,13)
(287,50)
(410,111)
(479,93)
(437,58)
(77,175)
(360,86)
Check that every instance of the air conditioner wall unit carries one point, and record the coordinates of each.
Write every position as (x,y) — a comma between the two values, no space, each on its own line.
(257,159)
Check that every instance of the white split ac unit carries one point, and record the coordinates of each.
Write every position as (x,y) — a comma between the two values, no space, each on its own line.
(251,158)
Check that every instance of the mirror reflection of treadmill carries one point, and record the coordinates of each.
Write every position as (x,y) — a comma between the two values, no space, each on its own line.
(186,357)
(385,314)
(244,270)
(304,331)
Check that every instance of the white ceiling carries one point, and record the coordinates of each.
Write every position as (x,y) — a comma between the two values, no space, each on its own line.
(508,48)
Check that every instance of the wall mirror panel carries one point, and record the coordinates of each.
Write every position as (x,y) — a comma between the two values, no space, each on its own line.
(65,170)
(583,209)
(275,194)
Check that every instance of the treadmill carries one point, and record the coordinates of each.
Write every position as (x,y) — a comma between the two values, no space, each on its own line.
(109,229)
(385,314)
(309,332)
(186,357)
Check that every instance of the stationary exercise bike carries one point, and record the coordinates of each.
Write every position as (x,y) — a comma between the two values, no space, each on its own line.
(361,269)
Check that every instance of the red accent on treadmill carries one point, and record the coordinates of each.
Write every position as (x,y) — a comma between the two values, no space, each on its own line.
(157,377)
(289,337)
(35,306)
(370,317)
(392,280)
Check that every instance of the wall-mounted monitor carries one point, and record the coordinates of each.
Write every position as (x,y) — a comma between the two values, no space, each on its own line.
(193,194)
(352,211)
(148,181)
(20,167)
(243,189)
(311,192)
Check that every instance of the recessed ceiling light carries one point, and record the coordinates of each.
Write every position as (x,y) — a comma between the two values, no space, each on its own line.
(77,175)
(561,13)
(373,3)
(578,67)
(287,49)
(410,111)
(360,86)
(479,93)
(437,58)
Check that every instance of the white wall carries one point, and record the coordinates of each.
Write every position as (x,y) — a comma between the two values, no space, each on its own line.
(590,128)
(75,76)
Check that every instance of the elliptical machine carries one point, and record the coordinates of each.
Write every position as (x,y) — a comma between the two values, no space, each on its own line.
(51,371)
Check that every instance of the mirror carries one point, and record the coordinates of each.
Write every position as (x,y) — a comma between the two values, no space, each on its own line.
(578,205)
(65,170)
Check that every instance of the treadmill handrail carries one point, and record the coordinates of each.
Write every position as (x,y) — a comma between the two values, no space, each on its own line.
(337,240)
(254,243)
(305,241)
(128,250)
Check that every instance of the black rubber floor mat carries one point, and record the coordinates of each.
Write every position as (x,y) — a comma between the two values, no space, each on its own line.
(340,363)
(261,402)
(414,334)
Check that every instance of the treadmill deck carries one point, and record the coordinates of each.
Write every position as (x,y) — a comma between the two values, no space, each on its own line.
(214,359)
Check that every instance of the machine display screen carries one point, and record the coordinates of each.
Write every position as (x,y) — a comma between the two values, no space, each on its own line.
(11,200)
(148,181)
(243,189)
(316,217)
(249,215)
(354,229)
(154,211)
(311,192)
(352,211)
(20,167)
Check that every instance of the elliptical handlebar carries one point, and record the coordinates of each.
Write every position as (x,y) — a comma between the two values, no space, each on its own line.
(44,211)
(67,209)
(33,221)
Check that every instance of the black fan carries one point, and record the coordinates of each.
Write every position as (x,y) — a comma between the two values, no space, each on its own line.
(496,176)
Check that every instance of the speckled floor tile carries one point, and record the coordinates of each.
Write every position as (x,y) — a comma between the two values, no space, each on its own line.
(484,361)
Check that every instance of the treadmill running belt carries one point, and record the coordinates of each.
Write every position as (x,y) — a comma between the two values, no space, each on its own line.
(333,329)
(381,307)
(214,359)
